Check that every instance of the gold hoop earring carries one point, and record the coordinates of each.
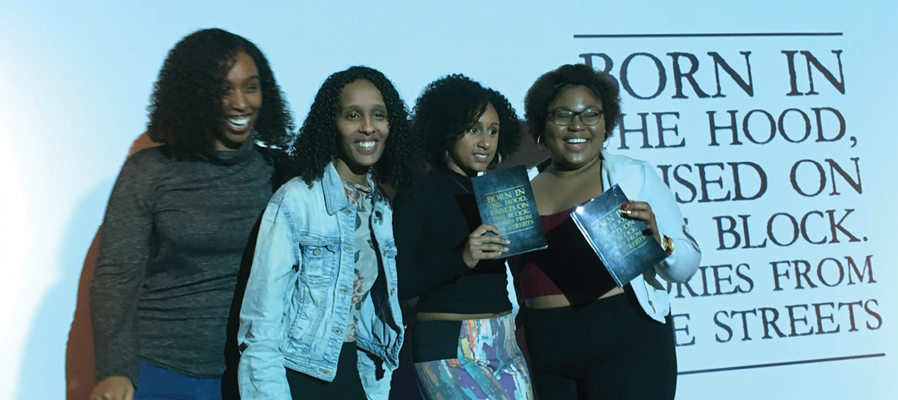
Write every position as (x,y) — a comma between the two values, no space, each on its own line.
(495,162)
(538,145)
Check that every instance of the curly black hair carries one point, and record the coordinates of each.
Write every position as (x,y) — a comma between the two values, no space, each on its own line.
(552,84)
(318,140)
(450,105)
(186,106)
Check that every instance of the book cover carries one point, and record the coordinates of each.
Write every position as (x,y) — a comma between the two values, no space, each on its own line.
(620,242)
(505,200)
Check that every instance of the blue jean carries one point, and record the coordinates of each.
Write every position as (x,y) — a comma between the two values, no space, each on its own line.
(157,383)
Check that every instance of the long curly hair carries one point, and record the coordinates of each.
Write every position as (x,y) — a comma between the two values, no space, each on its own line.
(553,83)
(318,140)
(450,105)
(185,108)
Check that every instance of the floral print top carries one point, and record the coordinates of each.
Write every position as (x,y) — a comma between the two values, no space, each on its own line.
(365,255)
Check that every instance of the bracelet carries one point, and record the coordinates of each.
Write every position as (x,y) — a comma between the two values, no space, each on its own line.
(668,244)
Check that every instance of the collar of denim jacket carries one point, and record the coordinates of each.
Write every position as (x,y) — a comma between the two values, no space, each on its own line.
(334,194)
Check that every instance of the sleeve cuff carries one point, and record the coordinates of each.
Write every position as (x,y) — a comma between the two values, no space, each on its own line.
(458,264)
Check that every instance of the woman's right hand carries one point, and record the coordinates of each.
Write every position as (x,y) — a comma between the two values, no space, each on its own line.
(481,246)
(113,388)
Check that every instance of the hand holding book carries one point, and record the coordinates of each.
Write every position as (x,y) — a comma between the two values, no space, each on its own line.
(505,202)
(642,211)
(483,246)
(620,243)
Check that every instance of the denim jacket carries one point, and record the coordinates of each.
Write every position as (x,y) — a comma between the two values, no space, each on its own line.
(297,300)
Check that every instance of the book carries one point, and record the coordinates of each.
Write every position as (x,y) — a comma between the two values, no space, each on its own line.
(621,243)
(505,200)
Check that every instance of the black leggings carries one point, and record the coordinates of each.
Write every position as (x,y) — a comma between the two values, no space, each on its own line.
(610,349)
(346,385)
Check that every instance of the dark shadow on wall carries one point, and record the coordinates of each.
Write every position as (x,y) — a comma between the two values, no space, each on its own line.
(79,352)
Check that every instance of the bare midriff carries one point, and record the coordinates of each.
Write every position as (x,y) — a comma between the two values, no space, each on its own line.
(431,316)
(559,300)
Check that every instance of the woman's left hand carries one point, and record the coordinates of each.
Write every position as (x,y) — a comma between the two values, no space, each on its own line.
(642,211)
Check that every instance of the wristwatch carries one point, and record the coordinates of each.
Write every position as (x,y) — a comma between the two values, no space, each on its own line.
(668,244)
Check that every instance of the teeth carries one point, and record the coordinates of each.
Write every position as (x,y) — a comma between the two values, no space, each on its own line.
(484,156)
(575,140)
(238,122)
(366,144)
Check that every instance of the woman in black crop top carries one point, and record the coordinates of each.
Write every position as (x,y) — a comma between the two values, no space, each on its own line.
(464,343)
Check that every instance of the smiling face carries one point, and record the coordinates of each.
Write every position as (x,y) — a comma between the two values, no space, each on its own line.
(476,147)
(576,145)
(363,129)
(241,104)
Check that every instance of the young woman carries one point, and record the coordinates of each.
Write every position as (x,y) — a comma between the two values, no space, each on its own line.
(619,343)
(464,340)
(179,218)
(321,297)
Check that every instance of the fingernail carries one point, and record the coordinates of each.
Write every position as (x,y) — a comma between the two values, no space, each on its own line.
(629,212)
(624,206)
(506,250)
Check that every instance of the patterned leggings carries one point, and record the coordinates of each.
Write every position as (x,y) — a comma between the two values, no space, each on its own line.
(487,363)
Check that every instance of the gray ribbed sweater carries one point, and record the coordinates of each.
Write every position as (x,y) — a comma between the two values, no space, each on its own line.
(171,245)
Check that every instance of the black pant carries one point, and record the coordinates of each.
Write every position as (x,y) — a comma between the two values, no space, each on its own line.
(346,385)
(609,349)
(435,340)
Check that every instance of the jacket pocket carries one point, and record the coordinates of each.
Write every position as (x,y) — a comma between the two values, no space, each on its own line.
(319,261)
(312,292)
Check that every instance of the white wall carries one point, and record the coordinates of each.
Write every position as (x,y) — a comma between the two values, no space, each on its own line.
(75,78)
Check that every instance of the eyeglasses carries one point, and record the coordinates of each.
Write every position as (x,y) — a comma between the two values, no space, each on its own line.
(563,117)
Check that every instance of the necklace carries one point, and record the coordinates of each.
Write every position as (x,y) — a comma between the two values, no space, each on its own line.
(458,183)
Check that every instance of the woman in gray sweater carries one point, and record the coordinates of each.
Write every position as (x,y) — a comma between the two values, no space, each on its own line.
(179,218)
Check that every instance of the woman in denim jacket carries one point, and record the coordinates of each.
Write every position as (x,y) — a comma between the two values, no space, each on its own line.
(321,318)
(594,340)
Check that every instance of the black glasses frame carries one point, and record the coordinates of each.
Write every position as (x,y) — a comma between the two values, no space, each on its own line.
(575,114)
